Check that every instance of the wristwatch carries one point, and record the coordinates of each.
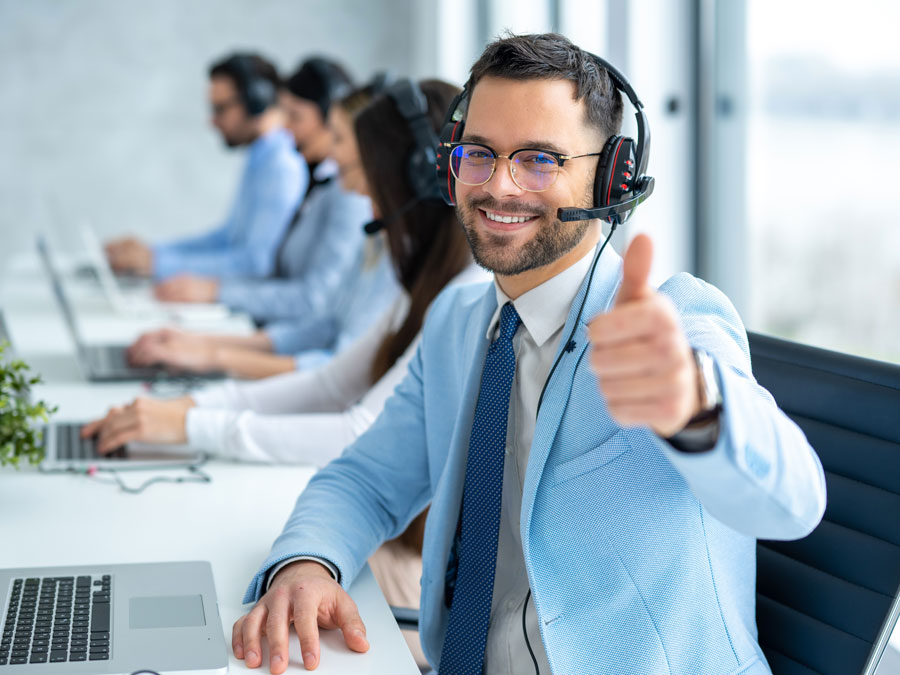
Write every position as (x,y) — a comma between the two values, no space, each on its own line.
(708,388)
(702,431)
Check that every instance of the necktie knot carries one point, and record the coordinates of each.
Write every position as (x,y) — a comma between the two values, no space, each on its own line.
(509,321)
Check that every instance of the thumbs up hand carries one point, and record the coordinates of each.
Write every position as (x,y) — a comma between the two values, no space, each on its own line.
(640,355)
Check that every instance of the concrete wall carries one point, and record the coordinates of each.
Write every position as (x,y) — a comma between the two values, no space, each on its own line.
(103,112)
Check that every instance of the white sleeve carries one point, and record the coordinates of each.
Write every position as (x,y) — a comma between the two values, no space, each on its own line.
(297,438)
(334,387)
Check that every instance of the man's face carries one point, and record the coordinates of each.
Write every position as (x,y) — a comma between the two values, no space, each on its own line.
(228,113)
(303,119)
(507,115)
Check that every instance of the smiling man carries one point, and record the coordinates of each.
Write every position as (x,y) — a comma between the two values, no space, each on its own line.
(598,458)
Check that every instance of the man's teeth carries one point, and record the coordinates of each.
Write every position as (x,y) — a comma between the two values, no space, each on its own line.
(506,219)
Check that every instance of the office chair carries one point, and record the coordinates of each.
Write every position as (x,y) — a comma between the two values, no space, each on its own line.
(827,603)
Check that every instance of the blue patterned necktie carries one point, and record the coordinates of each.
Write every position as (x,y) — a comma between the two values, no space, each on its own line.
(470,612)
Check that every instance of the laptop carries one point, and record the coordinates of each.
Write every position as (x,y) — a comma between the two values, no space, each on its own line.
(98,363)
(135,305)
(66,450)
(111,619)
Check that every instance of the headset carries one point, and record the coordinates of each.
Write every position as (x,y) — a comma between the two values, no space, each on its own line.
(257,93)
(421,158)
(620,183)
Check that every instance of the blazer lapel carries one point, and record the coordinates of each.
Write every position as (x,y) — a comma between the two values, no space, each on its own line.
(600,295)
(444,513)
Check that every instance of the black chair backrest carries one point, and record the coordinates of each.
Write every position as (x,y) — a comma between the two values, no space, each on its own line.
(826,603)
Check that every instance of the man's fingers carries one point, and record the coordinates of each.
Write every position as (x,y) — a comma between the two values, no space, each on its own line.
(636,270)
(640,357)
(252,634)
(237,638)
(306,623)
(277,625)
(646,388)
(351,625)
(640,319)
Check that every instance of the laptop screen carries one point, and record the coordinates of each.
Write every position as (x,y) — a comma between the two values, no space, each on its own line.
(59,292)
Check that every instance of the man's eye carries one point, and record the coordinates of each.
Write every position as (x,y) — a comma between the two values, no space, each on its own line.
(478,154)
(538,159)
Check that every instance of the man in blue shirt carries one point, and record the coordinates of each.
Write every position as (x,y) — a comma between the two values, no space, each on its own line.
(596,455)
(243,96)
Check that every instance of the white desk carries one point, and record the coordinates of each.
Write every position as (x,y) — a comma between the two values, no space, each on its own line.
(231,522)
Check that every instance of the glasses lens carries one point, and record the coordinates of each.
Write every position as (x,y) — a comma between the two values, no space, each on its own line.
(472,164)
(534,170)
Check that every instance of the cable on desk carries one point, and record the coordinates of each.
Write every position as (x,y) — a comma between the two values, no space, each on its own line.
(199,476)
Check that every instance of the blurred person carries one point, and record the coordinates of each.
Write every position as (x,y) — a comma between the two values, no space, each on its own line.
(243,97)
(596,455)
(311,340)
(309,417)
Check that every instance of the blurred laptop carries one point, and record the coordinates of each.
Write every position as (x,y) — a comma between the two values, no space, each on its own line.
(98,363)
(66,450)
(112,619)
(138,303)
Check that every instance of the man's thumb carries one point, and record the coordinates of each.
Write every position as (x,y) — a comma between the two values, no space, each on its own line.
(636,272)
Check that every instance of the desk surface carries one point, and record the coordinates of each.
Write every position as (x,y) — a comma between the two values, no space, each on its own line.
(67,519)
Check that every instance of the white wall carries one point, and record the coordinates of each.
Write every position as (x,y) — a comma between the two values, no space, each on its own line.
(103,111)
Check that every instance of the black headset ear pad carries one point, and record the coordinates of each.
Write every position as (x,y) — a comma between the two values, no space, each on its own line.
(451,132)
(615,178)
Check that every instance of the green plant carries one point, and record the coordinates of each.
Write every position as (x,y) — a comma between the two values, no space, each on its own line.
(19,436)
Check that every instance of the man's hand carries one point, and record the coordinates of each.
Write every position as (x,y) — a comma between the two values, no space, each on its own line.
(187,288)
(146,420)
(130,255)
(302,593)
(640,354)
(175,349)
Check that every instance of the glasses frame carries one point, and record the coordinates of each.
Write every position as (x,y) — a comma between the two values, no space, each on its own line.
(560,158)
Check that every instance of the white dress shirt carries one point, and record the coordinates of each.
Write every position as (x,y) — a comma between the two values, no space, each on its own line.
(543,311)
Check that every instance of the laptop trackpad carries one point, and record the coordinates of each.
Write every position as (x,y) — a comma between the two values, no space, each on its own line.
(174,611)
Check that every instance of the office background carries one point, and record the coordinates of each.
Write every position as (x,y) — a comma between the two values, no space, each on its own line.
(776,128)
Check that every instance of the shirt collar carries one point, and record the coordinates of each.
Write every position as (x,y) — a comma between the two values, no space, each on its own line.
(272,138)
(545,308)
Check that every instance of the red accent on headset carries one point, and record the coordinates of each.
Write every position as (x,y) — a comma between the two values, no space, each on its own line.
(615,160)
(450,159)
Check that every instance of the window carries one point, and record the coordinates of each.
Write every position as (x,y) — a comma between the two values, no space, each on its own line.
(822,156)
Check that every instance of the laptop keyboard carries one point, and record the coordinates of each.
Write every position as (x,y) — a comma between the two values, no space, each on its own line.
(57,619)
(71,446)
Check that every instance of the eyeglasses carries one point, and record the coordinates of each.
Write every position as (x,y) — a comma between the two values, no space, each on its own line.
(531,169)
(219,109)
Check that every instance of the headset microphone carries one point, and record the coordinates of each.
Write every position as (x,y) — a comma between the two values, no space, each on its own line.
(380,223)
(618,211)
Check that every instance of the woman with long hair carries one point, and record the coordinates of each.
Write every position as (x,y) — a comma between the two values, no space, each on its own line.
(311,416)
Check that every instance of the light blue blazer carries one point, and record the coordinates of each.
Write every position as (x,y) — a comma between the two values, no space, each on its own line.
(641,559)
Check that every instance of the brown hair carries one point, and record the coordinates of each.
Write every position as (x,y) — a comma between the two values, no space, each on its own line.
(427,244)
(552,56)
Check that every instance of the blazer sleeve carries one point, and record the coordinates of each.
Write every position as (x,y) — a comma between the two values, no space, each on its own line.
(368,495)
(762,478)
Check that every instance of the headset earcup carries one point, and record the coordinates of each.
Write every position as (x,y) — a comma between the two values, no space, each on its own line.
(450,132)
(615,178)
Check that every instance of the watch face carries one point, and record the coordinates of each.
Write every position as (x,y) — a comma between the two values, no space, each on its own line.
(710,395)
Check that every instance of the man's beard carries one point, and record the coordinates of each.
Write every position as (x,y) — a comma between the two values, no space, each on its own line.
(552,239)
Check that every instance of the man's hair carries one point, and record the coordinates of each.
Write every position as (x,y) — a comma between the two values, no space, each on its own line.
(550,56)
(238,66)
(321,81)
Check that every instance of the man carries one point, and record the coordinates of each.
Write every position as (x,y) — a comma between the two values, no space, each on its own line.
(304,306)
(243,96)
(583,493)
